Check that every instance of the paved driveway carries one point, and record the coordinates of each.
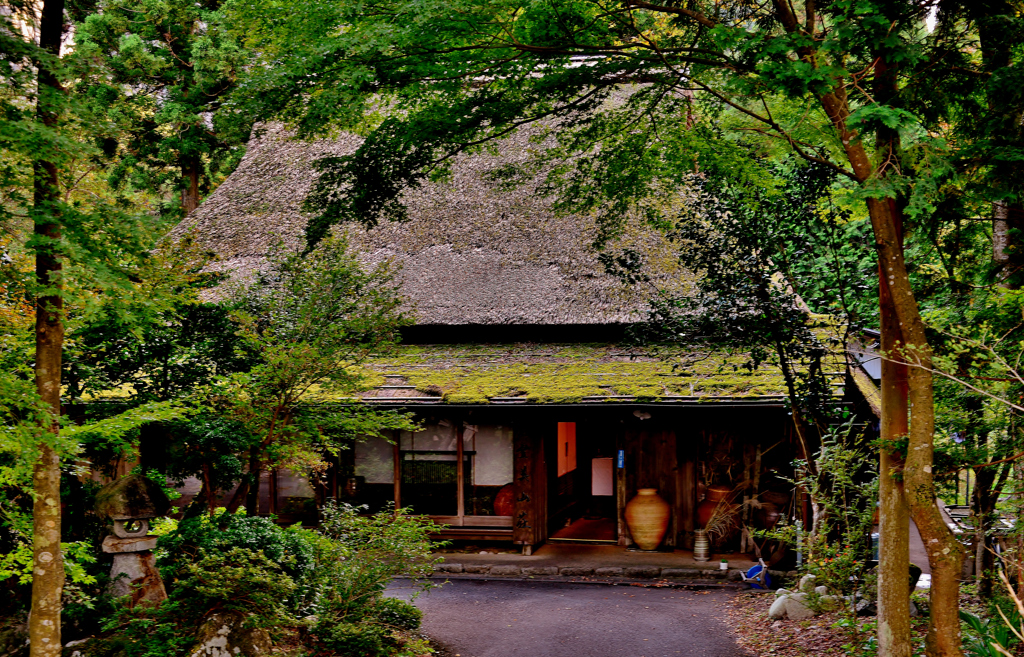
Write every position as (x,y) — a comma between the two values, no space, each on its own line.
(503,619)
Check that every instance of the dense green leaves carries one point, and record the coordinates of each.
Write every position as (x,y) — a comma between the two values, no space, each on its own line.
(309,321)
(165,68)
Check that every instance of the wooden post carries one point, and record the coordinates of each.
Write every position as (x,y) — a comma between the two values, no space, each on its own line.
(621,488)
(688,505)
(666,472)
(529,521)
(460,472)
(540,481)
(398,473)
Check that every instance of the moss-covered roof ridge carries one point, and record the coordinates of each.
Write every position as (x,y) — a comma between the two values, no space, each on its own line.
(569,374)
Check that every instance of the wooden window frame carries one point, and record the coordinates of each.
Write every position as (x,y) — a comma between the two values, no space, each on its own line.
(460,519)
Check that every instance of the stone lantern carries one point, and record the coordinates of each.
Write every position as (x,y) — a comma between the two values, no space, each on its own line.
(130,503)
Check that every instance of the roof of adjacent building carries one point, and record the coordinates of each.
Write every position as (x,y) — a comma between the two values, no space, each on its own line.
(472,252)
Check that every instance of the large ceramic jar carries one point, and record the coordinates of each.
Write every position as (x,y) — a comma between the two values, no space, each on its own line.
(712,497)
(647,515)
(771,508)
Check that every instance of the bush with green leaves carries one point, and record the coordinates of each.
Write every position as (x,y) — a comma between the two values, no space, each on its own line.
(358,555)
(371,631)
(291,548)
(232,579)
(397,613)
(277,576)
(845,491)
(343,638)
(986,637)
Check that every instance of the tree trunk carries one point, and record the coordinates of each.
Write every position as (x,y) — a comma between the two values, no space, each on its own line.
(894,516)
(47,560)
(945,553)
(210,494)
(239,496)
(982,511)
(190,177)
(252,497)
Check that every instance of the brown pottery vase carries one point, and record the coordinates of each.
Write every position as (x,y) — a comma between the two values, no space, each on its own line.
(647,515)
(771,509)
(505,501)
(712,496)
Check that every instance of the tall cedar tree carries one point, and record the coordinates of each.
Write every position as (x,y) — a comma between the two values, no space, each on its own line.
(48,131)
(170,64)
(47,560)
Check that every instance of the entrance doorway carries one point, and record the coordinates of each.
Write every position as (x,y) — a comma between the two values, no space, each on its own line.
(581,503)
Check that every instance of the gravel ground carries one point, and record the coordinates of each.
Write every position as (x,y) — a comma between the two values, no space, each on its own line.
(505,619)
(818,637)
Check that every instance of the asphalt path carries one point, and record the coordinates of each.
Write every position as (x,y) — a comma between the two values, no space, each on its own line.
(503,619)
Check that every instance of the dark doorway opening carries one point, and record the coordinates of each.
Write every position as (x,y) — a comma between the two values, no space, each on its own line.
(582,505)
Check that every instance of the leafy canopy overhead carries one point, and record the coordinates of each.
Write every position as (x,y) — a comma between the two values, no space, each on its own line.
(637,94)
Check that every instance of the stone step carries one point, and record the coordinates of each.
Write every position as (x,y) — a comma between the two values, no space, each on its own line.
(630,572)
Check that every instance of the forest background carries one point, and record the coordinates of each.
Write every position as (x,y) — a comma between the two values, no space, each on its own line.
(867,150)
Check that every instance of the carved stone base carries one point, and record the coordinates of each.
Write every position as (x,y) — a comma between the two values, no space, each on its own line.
(134,574)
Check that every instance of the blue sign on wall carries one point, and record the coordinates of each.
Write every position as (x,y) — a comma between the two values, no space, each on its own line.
(622,458)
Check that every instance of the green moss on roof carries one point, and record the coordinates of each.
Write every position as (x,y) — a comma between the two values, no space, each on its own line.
(559,373)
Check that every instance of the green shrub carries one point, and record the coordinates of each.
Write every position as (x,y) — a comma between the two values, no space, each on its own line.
(357,556)
(232,562)
(363,639)
(290,548)
(984,637)
(233,580)
(397,613)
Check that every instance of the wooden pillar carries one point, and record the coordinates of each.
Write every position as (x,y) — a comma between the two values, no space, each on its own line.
(689,448)
(625,480)
(529,521)
(398,473)
(540,482)
(688,502)
(460,472)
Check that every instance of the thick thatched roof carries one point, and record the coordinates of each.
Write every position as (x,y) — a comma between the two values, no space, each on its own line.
(472,252)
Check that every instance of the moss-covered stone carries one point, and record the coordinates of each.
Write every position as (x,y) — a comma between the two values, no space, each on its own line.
(134,496)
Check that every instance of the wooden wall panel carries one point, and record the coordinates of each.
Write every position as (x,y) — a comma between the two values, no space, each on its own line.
(689,453)
(650,462)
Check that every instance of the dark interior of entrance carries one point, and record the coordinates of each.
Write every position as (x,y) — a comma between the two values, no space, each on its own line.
(581,482)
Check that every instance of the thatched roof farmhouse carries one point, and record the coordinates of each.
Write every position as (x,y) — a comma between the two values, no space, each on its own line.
(538,424)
